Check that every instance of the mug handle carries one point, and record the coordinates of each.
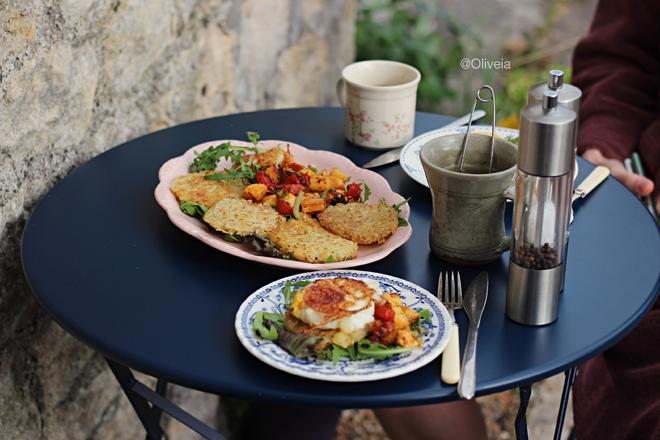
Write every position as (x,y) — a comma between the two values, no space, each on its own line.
(341,91)
(508,196)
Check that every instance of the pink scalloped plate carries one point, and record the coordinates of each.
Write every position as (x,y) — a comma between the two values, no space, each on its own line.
(322,160)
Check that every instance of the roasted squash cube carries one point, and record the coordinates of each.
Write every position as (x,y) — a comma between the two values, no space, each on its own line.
(312,204)
(270,199)
(319,183)
(272,174)
(336,182)
(255,191)
(336,173)
(289,198)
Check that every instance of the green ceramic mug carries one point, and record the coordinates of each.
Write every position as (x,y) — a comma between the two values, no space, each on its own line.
(468,208)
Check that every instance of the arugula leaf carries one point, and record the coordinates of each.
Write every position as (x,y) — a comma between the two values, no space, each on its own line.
(330,259)
(352,352)
(397,208)
(338,353)
(193,209)
(366,192)
(368,349)
(514,140)
(208,159)
(245,171)
(286,291)
(254,137)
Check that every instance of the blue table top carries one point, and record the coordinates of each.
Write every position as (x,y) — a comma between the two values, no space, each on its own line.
(104,260)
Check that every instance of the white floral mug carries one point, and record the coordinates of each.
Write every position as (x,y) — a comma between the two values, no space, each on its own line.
(379,100)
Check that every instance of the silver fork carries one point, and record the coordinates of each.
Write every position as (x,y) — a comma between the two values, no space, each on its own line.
(450,293)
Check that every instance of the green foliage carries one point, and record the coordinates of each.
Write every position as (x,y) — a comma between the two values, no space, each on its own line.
(423,34)
(415,32)
(512,96)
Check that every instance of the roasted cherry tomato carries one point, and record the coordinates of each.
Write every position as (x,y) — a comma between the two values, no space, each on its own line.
(283,207)
(384,312)
(293,188)
(383,332)
(292,178)
(261,177)
(353,191)
(303,179)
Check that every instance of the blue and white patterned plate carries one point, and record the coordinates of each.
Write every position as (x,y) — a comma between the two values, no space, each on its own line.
(270,298)
(412,164)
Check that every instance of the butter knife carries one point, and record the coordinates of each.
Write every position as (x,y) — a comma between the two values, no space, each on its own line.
(474,302)
(393,155)
(595,178)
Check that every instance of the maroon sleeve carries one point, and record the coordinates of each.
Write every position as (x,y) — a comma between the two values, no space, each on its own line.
(617,66)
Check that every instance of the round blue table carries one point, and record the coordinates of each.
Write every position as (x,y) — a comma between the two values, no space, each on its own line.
(103,259)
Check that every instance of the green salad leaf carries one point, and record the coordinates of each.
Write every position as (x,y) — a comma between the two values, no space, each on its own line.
(244,171)
(265,324)
(270,326)
(254,137)
(397,208)
(424,315)
(366,192)
(299,345)
(289,288)
(368,349)
(233,238)
(208,159)
(193,209)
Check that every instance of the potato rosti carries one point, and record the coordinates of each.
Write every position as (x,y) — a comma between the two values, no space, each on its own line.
(306,240)
(242,217)
(195,188)
(359,222)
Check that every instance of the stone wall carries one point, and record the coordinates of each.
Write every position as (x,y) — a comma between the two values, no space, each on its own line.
(80,76)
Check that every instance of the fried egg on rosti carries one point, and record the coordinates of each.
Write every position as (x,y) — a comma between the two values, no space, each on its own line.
(341,304)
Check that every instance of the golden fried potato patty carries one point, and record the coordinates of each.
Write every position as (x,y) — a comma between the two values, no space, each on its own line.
(195,188)
(306,240)
(242,217)
(359,222)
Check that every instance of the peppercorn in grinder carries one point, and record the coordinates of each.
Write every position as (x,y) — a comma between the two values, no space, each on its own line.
(542,207)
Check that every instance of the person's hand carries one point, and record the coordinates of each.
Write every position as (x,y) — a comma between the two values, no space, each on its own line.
(640,185)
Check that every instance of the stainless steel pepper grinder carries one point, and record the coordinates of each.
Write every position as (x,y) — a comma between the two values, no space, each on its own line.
(567,96)
(542,207)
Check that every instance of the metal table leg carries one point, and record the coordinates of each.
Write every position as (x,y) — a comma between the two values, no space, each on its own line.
(563,406)
(521,417)
(149,405)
